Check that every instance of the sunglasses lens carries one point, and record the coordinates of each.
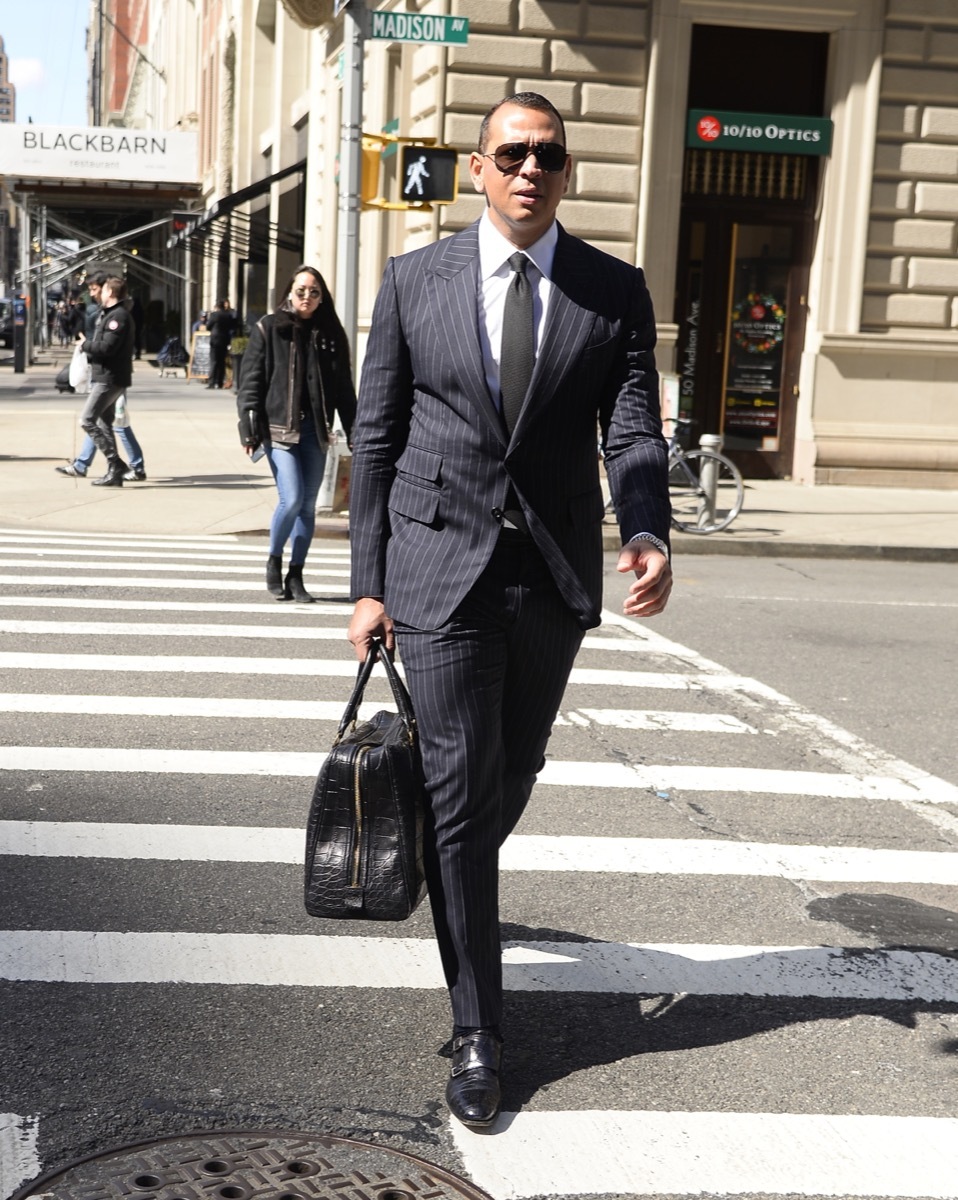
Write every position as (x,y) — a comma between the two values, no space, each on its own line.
(550,156)
(311,292)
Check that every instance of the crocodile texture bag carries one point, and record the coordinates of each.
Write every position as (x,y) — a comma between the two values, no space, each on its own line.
(364,836)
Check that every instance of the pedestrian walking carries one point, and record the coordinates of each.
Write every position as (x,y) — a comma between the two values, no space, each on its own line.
(110,352)
(79,466)
(296,379)
(475,519)
(221,323)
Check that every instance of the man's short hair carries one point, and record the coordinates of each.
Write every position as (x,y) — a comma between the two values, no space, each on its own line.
(521,100)
(99,278)
(117,286)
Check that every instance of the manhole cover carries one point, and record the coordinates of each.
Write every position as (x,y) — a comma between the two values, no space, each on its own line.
(251,1166)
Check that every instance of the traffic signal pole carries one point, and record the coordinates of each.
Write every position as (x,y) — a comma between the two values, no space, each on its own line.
(350,171)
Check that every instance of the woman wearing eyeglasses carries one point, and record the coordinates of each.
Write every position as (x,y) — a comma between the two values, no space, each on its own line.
(296,378)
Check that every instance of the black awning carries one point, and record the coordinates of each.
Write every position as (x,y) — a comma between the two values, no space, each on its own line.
(227,204)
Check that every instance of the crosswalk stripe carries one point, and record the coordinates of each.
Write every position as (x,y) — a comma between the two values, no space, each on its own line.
(107,580)
(320,960)
(332,710)
(207,566)
(108,551)
(655,1153)
(184,606)
(195,630)
(522,852)
(556,773)
(202,664)
(19,1160)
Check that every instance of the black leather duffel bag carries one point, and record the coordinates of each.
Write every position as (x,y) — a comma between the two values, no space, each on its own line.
(364,835)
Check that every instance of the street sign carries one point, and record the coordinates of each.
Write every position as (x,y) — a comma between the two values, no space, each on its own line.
(429,174)
(419,27)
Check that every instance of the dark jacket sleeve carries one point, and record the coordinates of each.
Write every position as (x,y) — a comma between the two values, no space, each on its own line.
(111,336)
(345,396)
(254,382)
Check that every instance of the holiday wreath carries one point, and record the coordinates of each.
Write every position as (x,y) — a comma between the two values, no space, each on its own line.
(758,323)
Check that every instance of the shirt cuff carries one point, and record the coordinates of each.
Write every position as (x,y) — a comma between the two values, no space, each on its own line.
(650,537)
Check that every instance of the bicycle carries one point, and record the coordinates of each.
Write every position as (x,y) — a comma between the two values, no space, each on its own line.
(705,487)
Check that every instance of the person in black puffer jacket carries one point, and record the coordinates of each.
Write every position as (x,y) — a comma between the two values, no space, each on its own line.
(296,378)
(110,351)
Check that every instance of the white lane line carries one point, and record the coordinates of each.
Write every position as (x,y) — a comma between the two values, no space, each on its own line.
(228,556)
(179,664)
(19,1160)
(331,710)
(204,539)
(522,852)
(24,542)
(144,629)
(211,664)
(820,600)
(168,585)
(712,1153)
(635,718)
(600,642)
(272,609)
(556,773)
(208,567)
(320,960)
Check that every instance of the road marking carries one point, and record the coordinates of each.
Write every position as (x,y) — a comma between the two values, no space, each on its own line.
(108,580)
(819,599)
(332,710)
(107,550)
(142,629)
(208,567)
(555,773)
(266,609)
(712,1153)
(522,852)
(19,1161)
(319,960)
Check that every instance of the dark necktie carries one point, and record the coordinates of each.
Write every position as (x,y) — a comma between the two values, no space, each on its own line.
(517,355)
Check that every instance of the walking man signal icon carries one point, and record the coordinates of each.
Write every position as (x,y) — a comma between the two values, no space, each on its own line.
(415,173)
(429,174)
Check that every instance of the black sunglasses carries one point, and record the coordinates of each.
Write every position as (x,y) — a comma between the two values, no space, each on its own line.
(302,292)
(551,156)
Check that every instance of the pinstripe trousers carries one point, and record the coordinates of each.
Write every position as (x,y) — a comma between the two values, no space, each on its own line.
(486,687)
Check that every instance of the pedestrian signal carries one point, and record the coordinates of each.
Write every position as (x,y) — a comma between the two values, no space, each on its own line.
(428,174)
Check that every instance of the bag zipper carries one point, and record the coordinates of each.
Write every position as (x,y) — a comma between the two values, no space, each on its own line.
(358,814)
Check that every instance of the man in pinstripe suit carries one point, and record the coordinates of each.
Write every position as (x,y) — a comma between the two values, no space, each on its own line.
(476,520)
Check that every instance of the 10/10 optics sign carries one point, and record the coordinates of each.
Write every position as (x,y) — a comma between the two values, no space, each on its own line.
(715,129)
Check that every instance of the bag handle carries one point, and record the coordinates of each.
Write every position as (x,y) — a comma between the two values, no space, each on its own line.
(378,651)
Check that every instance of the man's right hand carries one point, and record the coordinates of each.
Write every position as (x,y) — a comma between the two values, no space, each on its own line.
(369,620)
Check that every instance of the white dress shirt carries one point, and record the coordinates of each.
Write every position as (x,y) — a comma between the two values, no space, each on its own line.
(494,277)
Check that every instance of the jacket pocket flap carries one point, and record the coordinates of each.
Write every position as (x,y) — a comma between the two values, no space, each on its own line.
(420,463)
(414,501)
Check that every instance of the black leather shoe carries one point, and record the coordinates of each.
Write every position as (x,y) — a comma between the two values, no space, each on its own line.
(294,589)
(114,476)
(472,1092)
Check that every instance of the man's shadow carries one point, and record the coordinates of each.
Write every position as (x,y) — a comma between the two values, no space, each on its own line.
(557,1026)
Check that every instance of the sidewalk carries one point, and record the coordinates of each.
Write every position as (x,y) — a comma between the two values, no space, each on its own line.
(200,482)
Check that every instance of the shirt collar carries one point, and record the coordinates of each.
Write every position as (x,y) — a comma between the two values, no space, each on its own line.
(495,250)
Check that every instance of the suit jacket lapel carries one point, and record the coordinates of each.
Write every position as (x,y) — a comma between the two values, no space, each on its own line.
(569,323)
(454,299)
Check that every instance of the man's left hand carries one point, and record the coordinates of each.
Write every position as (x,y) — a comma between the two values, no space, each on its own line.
(653,579)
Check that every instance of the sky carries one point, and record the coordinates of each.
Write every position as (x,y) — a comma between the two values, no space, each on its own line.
(45,41)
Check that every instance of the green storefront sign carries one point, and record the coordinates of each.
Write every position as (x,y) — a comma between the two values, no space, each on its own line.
(716,129)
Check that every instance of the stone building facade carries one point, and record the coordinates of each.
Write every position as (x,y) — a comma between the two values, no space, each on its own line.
(848,258)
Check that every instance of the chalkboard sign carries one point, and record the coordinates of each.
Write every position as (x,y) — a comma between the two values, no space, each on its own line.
(200,355)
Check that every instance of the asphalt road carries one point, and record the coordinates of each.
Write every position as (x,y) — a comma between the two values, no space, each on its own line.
(730,928)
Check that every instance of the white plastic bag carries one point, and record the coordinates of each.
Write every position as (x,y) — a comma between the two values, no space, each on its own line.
(79,370)
(120,418)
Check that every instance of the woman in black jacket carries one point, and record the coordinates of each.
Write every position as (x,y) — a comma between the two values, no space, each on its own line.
(296,377)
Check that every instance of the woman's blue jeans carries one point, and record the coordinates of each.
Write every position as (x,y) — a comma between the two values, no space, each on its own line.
(298,471)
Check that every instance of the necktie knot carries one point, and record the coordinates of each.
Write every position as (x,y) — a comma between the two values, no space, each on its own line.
(518,262)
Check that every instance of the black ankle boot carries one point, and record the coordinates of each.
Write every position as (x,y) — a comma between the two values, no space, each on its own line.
(114,475)
(294,586)
(274,576)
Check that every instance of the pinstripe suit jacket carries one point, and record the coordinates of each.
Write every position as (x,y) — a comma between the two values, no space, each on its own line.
(431,456)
